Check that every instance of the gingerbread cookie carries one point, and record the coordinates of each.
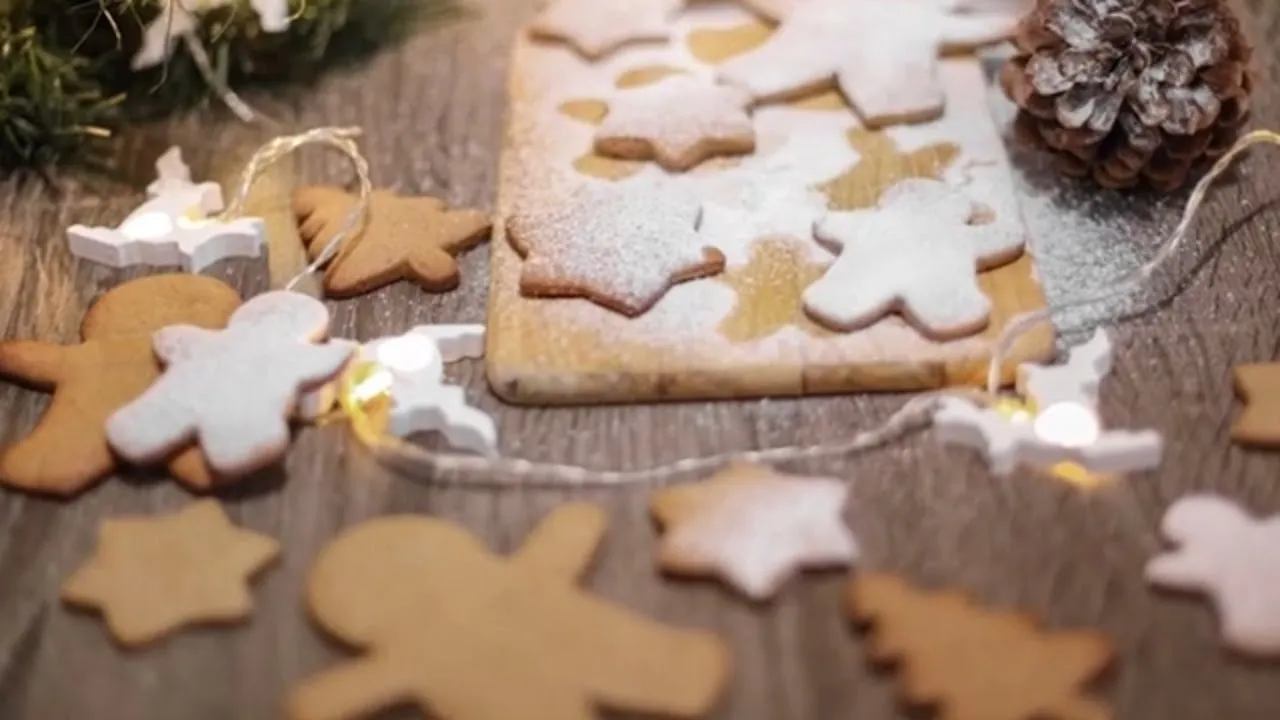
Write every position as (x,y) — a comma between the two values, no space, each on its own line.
(972,662)
(151,576)
(918,253)
(680,121)
(68,450)
(423,598)
(753,528)
(621,245)
(232,391)
(595,28)
(883,56)
(1258,385)
(1232,558)
(403,238)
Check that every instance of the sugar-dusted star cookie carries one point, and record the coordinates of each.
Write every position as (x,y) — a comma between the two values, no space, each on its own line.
(978,663)
(151,576)
(679,121)
(178,19)
(1258,386)
(232,391)
(753,528)
(621,245)
(175,227)
(596,28)
(882,54)
(403,238)
(444,625)
(917,253)
(421,400)
(1234,559)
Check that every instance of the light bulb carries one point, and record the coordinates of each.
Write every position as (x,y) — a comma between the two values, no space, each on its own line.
(1068,424)
(408,353)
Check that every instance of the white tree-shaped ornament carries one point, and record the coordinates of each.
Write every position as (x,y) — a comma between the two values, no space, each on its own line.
(1059,425)
(174,227)
(421,399)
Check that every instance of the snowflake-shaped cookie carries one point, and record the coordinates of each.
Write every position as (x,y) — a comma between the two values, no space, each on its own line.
(621,245)
(596,28)
(917,253)
(421,400)
(882,54)
(173,228)
(233,390)
(177,20)
(1231,557)
(679,121)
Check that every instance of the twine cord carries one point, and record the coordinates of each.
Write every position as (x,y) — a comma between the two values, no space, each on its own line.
(342,140)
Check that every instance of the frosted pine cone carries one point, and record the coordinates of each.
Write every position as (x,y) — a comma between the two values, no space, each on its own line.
(1130,91)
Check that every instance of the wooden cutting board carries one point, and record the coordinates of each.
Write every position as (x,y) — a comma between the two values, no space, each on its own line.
(743,333)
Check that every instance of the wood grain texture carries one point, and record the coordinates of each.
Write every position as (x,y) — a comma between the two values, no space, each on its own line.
(744,333)
(433,112)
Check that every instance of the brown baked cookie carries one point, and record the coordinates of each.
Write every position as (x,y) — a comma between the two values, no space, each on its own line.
(973,662)
(446,625)
(403,238)
(67,451)
(1258,386)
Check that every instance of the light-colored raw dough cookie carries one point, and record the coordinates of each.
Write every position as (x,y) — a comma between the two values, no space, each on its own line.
(679,121)
(232,391)
(175,227)
(753,528)
(620,245)
(1234,559)
(596,28)
(918,253)
(152,576)
(448,627)
(882,54)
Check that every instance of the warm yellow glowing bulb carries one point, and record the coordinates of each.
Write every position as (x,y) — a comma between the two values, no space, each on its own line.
(407,353)
(194,217)
(147,226)
(1069,425)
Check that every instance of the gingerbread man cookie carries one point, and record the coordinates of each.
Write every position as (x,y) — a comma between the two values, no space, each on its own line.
(403,238)
(918,253)
(621,245)
(451,628)
(68,450)
(232,391)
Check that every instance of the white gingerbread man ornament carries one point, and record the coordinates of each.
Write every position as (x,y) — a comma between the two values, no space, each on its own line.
(1061,425)
(232,391)
(421,400)
(1231,557)
(918,253)
(172,228)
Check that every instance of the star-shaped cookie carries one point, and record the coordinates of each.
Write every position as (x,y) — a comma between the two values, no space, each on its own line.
(753,528)
(619,245)
(596,28)
(151,576)
(882,54)
(403,238)
(679,121)
(1258,385)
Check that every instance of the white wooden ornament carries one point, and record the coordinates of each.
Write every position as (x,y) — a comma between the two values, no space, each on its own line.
(173,227)
(1065,426)
(232,391)
(421,400)
(177,20)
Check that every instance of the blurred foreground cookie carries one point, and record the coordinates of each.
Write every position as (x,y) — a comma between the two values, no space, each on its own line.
(151,576)
(403,238)
(973,663)
(448,626)
(753,528)
(68,451)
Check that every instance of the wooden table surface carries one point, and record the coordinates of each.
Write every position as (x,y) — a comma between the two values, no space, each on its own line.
(433,114)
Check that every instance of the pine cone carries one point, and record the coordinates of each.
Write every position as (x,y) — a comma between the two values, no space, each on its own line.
(1130,91)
